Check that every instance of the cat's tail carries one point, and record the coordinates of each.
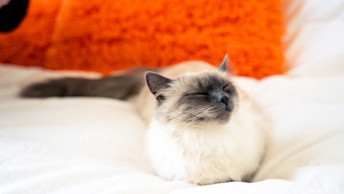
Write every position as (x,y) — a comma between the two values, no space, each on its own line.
(122,86)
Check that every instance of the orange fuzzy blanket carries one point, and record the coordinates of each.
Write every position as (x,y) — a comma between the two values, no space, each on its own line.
(109,35)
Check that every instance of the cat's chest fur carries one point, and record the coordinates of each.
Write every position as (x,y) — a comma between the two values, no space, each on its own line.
(221,153)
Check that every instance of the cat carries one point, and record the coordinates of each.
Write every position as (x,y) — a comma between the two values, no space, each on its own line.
(203,129)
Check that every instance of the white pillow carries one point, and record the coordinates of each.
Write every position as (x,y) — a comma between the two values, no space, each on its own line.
(314,42)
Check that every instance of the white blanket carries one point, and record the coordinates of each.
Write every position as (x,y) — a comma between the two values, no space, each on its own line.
(96,145)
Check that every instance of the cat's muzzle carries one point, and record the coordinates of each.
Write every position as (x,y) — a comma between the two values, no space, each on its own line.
(221,99)
(220,107)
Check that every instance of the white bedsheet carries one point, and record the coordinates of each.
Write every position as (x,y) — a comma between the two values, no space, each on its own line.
(84,145)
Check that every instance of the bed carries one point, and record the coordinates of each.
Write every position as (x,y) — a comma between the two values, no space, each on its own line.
(97,145)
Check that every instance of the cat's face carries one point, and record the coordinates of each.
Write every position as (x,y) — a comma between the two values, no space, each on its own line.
(196,98)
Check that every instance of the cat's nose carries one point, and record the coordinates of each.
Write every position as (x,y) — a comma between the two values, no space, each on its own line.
(224,100)
(217,96)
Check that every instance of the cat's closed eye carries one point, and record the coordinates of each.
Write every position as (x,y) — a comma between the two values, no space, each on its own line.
(224,87)
(201,93)
(228,88)
(197,94)
(160,98)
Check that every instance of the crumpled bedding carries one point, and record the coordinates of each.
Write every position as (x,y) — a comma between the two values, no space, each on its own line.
(97,145)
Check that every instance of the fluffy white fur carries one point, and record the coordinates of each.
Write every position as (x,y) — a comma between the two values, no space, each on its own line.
(211,154)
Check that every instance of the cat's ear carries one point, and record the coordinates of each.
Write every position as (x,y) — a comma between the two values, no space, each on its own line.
(223,66)
(156,82)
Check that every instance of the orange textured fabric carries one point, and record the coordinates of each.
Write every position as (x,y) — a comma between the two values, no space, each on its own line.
(108,35)
(29,42)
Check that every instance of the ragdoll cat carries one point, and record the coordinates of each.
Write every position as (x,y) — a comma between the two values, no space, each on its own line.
(202,128)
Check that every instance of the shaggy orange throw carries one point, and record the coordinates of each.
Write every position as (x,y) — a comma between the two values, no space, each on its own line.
(105,36)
